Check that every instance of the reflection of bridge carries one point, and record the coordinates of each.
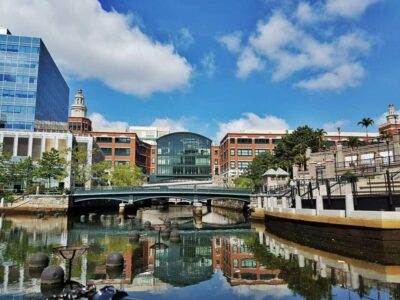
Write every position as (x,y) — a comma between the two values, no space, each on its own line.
(135,194)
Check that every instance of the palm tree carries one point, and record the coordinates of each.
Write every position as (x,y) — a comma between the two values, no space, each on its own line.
(320,133)
(366,122)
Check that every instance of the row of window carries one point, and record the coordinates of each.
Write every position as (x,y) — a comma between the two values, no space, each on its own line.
(15,39)
(22,64)
(242,165)
(250,141)
(78,126)
(16,48)
(117,151)
(18,94)
(247,152)
(17,125)
(18,109)
(17,78)
(245,263)
(119,140)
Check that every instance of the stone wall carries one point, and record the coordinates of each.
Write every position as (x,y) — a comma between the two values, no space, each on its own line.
(38,203)
(228,203)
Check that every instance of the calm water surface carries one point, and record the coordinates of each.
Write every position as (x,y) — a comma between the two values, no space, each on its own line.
(219,256)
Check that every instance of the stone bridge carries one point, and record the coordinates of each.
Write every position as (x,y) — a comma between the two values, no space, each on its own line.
(130,195)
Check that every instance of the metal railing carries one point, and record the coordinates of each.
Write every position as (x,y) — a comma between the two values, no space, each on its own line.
(142,189)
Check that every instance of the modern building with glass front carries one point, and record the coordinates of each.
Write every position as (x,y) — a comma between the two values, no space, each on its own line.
(183,155)
(31,86)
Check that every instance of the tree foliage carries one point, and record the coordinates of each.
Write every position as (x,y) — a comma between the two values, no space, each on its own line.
(125,175)
(366,122)
(85,170)
(52,166)
(243,182)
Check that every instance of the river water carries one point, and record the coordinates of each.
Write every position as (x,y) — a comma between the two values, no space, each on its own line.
(219,256)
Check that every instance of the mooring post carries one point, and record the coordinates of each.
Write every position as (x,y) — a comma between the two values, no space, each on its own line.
(284,202)
(319,205)
(389,188)
(349,200)
(298,202)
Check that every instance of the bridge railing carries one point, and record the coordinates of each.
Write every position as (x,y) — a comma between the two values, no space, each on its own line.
(141,189)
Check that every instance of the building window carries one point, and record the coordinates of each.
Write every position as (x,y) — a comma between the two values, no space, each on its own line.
(215,161)
(232,140)
(235,263)
(153,171)
(242,165)
(216,152)
(275,141)
(248,263)
(122,151)
(235,249)
(106,151)
(232,164)
(104,139)
(121,162)
(244,141)
(258,151)
(232,152)
(261,141)
(153,160)
(122,140)
(245,152)
(153,151)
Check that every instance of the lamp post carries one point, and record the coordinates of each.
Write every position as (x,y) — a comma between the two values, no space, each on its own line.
(338,129)
(388,153)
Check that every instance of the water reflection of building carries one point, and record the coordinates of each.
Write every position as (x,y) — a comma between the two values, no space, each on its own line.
(233,256)
(340,271)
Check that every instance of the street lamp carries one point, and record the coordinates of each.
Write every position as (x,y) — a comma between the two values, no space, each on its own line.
(338,129)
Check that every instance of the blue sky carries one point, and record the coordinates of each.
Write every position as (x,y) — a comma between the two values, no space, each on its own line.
(212,66)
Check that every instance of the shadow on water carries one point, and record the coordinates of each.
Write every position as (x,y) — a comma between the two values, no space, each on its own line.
(222,260)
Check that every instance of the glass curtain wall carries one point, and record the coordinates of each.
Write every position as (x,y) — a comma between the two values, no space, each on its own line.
(184,155)
(31,86)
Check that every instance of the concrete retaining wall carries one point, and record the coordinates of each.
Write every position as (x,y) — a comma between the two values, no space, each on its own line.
(230,204)
(38,203)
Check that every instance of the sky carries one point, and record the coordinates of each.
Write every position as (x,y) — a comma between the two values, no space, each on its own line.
(216,66)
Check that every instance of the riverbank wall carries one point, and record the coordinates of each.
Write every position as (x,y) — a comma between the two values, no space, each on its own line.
(228,204)
(33,204)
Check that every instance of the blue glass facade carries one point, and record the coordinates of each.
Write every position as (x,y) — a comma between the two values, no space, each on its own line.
(183,154)
(31,86)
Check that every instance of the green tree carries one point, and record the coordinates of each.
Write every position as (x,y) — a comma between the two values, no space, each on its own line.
(258,166)
(85,170)
(6,168)
(366,122)
(25,170)
(125,175)
(244,183)
(52,166)
(295,144)
(320,133)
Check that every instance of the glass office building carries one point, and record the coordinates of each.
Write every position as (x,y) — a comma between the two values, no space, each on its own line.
(183,154)
(31,86)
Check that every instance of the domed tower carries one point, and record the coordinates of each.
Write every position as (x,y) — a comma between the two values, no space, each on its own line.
(77,122)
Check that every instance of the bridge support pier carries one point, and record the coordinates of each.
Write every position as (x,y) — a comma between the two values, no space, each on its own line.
(121,208)
(197,208)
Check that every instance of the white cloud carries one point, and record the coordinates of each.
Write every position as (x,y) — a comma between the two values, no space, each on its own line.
(247,63)
(99,121)
(173,125)
(231,41)
(305,13)
(184,39)
(348,8)
(339,78)
(332,126)
(288,48)
(208,64)
(90,42)
(250,123)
